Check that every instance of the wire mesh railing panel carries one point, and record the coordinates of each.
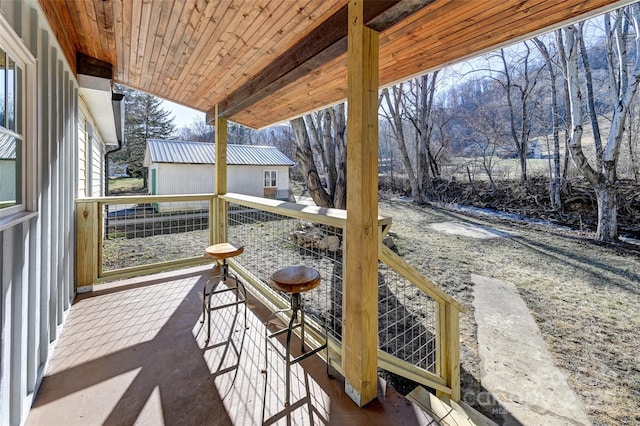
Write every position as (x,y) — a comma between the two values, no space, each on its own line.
(273,241)
(407,320)
(147,233)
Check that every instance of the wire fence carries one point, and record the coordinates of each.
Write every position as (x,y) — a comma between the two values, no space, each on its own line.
(273,241)
(137,234)
(407,320)
(407,316)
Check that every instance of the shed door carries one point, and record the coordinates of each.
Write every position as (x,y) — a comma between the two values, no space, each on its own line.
(154,188)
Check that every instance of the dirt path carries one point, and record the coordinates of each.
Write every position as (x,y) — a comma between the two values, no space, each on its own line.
(583,296)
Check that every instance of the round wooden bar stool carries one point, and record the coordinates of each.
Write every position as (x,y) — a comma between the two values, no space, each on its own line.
(222,251)
(294,280)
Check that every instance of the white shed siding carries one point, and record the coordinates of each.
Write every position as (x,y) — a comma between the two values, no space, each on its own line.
(7,179)
(198,178)
(37,252)
(185,178)
(249,180)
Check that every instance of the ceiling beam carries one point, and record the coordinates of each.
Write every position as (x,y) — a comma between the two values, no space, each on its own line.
(88,65)
(324,43)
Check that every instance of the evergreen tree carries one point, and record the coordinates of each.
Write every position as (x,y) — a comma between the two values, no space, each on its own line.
(144,119)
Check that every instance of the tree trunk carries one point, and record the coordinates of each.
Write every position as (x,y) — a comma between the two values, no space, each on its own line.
(590,98)
(603,180)
(304,154)
(632,137)
(519,140)
(606,196)
(554,182)
(566,119)
(340,128)
(395,121)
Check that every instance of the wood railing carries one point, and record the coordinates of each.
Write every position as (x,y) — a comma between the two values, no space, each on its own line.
(102,221)
(445,374)
(435,362)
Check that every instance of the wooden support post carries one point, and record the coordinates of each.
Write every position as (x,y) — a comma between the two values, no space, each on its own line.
(220,186)
(453,346)
(86,245)
(360,313)
(448,364)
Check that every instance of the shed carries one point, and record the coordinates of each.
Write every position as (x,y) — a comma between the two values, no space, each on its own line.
(182,167)
(7,170)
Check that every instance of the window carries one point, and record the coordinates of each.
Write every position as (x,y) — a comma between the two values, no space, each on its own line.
(11,137)
(18,160)
(270,178)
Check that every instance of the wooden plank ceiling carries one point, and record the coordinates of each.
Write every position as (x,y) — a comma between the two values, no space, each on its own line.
(265,61)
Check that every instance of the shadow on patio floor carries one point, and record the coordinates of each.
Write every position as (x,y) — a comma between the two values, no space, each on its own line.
(134,352)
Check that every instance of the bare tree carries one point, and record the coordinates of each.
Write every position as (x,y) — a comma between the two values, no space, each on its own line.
(519,83)
(565,118)
(555,180)
(393,111)
(320,138)
(624,78)
(198,130)
(487,137)
(413,102)
(633,141)
(419,108)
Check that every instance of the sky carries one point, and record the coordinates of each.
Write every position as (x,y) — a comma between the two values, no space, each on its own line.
(183,116)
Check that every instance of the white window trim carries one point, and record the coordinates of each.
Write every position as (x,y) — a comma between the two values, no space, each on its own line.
(16,48)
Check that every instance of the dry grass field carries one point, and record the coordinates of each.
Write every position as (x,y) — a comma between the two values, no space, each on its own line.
(509,168)
(583,296)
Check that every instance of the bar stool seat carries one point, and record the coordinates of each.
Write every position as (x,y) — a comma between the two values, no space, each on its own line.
(222,251)
(294,280)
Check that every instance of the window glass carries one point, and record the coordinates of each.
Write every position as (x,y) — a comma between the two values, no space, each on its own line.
(11,139)
(18,102)
(11,94)
(270,178)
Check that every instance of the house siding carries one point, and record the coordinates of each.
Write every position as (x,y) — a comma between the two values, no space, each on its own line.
(90,163)
(38,254)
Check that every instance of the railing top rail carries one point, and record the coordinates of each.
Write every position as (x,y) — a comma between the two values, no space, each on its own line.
(129,199)
(326,216)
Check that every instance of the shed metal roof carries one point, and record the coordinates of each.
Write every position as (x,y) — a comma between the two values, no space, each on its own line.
(186,152)
(7,147)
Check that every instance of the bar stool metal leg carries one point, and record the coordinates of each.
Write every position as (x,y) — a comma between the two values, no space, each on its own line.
(287,358)
(239,289)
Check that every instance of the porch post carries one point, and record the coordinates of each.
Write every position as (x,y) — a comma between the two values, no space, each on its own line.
(360,313)
(219,228)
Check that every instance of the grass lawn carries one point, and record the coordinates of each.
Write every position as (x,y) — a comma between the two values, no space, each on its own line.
(583,296)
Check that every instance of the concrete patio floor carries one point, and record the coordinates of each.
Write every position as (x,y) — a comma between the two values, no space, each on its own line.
(134,352)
